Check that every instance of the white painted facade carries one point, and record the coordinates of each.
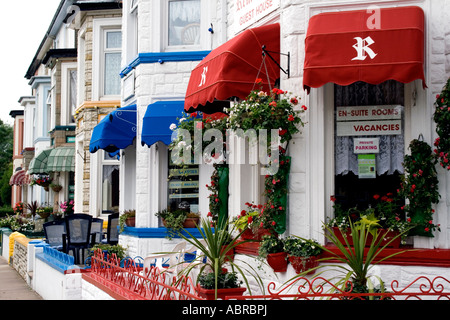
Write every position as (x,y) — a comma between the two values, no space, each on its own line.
(311,182)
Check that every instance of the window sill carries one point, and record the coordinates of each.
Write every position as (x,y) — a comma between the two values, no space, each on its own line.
(411,257)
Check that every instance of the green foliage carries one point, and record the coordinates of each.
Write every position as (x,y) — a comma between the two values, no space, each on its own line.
(442,118)
(420,187)
(117,249)
(270,244)
(225,280)
(357,260)
(214,244)
(298,247)
(173,220)
(5,188)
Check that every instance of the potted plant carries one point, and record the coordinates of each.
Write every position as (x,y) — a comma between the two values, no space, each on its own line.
(128,218)
(272,249)
(191,220)
(357,260)
(302,254)
(44,212)
(215,243)
(109,250)
(253,222)
(32,207)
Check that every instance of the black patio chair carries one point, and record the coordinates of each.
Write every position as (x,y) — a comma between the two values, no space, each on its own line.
(53,231)
(78,234)
(97,230)
(112,233)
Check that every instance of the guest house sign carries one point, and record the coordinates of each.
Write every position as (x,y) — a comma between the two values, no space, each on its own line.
(369,120)
(248,12)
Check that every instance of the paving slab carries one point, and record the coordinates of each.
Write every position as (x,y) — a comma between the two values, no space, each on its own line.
(13,286)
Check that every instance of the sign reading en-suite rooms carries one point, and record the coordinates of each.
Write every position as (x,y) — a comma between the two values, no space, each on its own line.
(369,120)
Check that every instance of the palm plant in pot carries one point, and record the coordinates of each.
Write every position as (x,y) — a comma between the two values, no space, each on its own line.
(357,260)
(215,243)
(272,249)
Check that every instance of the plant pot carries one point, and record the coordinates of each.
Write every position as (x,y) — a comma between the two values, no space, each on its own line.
(130,222)
(209,294)
(229,254)
(190,222)
(302,264)
(386,234)
(277,261)
(248,234)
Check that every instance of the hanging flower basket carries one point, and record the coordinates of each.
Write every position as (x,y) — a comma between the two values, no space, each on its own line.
(56,187)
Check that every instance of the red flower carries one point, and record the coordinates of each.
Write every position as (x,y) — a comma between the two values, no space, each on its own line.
(258,80)
(291,118)
(376,197)
(216,199)
(273,104)
(243,213)
(304,107)
(274,223)
(194,115)
(427,229)
(209,214)
(250,219)
(282,132)
(332,198)
(294,101)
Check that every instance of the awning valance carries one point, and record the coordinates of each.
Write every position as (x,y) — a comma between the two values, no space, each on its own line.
(157,120)
(231,69)
(116,131)
(19,178)
(61,159)
(38,164)
(364,45)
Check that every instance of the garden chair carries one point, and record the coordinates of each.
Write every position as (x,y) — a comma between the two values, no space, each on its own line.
(112,233)
(97,230)
(53,231)
(167,262)
(78,234)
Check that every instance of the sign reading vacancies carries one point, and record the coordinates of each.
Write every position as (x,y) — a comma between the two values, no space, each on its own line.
(369,120)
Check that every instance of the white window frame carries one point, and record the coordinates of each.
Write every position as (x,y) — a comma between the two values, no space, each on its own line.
(204,17)
(100,26)
(66,111)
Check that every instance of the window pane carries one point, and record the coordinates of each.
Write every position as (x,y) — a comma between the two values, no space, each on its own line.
(184,22)
(112,70)
(110,188)
(113,39)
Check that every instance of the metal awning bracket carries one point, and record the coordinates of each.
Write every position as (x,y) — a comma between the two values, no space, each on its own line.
(288,55)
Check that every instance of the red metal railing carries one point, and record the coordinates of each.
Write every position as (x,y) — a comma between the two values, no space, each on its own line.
(128,280)
(318,288)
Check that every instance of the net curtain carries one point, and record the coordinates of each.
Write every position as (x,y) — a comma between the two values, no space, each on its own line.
(390,158)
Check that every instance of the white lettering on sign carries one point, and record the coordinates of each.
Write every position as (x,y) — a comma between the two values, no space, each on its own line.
(248,12)
(393,112)
(368,128)
(366,145)
(362,48)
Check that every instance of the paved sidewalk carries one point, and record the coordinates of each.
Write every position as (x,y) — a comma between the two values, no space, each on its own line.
(12,285)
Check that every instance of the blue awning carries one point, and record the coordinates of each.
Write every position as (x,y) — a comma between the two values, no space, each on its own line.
(157,120)
(116,131)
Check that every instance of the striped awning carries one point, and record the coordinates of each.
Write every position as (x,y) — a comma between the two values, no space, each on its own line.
(39,163)
(19,178)
(61,159)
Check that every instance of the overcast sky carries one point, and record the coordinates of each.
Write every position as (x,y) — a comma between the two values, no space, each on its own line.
(23,24)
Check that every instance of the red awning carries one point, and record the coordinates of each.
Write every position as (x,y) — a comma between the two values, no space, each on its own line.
(345,47)
(231,69)
(19,178)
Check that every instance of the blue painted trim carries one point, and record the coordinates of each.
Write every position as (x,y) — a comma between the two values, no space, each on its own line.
(157,232)
(161,57)
(56,259)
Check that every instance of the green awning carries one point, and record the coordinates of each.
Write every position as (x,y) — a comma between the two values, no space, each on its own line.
(39,163)
(61,159)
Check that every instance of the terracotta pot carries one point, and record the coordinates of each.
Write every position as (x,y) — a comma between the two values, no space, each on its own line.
(190,222)
(277,261)
(130,222)
(387,236)
(229,254)
(209,294)
(248,234)
(302,264)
